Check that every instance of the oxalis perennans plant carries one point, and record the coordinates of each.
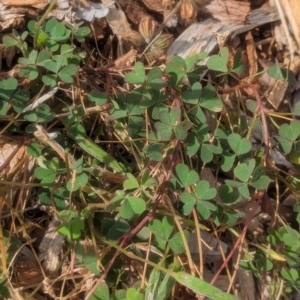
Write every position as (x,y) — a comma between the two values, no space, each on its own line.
(174,126)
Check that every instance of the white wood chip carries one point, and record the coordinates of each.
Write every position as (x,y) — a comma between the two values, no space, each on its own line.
(199,36)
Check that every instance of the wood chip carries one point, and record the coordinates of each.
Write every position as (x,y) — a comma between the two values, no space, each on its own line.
(289,12)
(50,248)
(198,36)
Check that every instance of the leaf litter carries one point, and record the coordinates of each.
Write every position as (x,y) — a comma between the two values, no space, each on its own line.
(140,31)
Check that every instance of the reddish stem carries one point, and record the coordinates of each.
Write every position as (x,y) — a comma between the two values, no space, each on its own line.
(249,218)
(171,163)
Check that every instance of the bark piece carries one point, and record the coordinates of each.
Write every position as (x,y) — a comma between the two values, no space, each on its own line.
(12,13)
(289,32)
(198,36)
(50,247)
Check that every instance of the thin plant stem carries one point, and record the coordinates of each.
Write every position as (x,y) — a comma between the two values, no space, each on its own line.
(41,21)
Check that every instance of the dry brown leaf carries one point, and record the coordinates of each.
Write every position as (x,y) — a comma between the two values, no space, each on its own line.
(155,5)
(147,28)
(154,55)
(188,11)
(99,25)
(274,89)
(227,10)
(33,3)
(251,54)
(126,60)
(26,272)
(11,153)
(7,54)
(134,38)
(133,10)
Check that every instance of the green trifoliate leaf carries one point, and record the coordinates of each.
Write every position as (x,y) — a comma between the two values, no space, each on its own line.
(176,242)
(97,97)
(205,208)
(219,62)
(238,144)
(154,78)
(177,69)
(131,182)
(164,132)
(189,202)
(244,171)
(227,161)
(209,100)
(185,176)
(228,195)
(137,76)
(204,192)
(181,130)
(132,206)
(193,96)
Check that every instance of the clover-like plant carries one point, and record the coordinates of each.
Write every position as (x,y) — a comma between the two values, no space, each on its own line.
(172,124)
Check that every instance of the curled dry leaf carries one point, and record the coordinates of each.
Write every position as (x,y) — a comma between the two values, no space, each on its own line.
(147,28)
(27,272)
(188,11)
(155,5)
(154,54)
(163,41)
(145,36)
(127,59)
(11,154)
(135,38)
